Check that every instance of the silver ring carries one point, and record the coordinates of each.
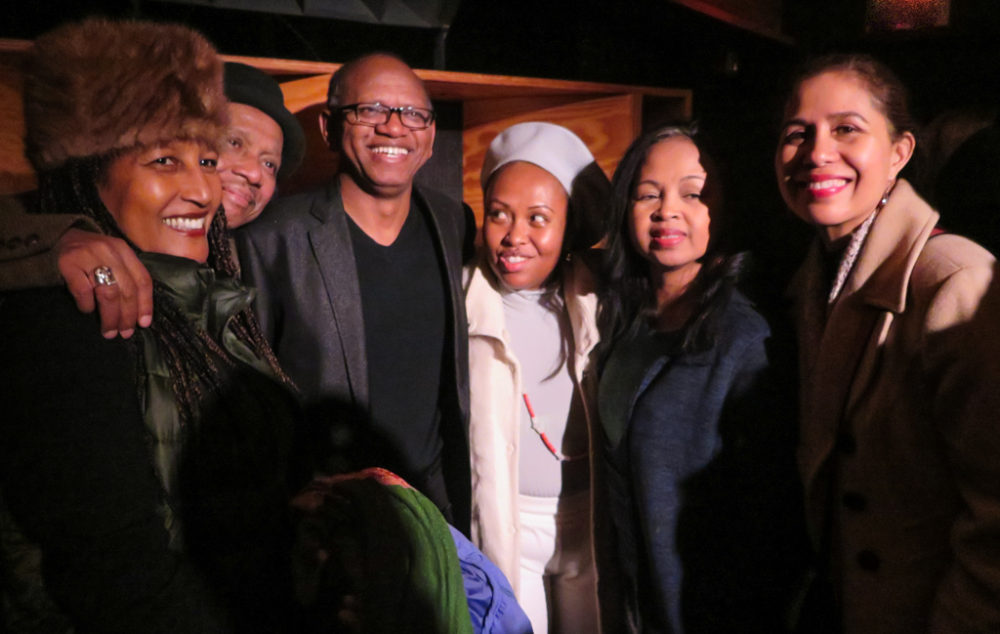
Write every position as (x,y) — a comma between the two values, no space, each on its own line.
(104,277)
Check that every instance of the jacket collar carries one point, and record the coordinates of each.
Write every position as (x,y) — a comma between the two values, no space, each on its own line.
(581,303)
(333,253)
(207,299)
(333,205)
(882,272)
(484,304)
(836,352)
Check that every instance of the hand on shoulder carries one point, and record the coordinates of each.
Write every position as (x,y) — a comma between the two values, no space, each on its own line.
(124,299)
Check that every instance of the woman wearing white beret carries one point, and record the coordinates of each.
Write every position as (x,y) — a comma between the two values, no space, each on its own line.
(531,329)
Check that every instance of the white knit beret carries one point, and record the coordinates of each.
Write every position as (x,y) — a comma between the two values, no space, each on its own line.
(549,146)
(562,154)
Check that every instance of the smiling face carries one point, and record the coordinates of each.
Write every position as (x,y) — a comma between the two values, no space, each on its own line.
(249,163)
(164,197)
(383,159)
(837,154)
(669,223)
(524,224)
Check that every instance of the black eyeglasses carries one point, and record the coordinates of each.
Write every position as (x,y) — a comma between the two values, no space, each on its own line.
(374,114)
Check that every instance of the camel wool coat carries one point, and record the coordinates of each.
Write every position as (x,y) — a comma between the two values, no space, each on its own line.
(900,427)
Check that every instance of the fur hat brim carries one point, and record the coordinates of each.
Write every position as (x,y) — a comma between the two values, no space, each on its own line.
(98,86)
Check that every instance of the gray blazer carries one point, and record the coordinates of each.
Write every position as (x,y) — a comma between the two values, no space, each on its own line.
(300,258)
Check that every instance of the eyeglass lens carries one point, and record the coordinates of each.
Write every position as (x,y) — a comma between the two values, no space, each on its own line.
(377,114)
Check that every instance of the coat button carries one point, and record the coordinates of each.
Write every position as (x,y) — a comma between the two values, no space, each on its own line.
(854,501)
(32,240)
(846,443)
(868,560)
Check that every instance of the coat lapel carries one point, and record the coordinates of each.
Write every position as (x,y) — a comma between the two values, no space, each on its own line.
(451,256)
(830,355)
(485,308)
(484,305)
(839,355)
(334,253)
(581,304)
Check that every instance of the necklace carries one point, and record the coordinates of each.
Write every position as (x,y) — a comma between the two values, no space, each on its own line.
(850,255)
(538,430)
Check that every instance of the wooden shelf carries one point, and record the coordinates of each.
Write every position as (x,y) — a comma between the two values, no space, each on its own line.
(606,116)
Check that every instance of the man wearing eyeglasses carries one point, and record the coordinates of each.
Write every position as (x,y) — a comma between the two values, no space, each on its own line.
(360,288)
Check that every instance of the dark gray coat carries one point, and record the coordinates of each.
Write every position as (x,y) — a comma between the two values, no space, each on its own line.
(300,257)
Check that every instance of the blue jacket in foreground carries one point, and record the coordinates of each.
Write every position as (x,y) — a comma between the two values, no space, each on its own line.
(700,454)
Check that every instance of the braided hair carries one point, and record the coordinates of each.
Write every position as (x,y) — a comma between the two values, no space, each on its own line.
(198,365)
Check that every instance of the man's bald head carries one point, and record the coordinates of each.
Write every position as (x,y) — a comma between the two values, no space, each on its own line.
(381,157)
(371,62)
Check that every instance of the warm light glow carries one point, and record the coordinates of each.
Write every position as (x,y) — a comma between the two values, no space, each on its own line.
(898,15)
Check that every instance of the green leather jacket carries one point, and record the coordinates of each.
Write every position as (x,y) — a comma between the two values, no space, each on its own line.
(210,302)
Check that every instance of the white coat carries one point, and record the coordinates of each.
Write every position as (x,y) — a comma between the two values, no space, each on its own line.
(495,388)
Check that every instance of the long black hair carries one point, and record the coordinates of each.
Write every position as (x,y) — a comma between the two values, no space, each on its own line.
(627,298)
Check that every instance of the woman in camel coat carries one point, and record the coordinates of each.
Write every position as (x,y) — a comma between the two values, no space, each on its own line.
(899,365)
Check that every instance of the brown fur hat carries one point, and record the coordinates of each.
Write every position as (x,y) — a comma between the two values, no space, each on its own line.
(96,86)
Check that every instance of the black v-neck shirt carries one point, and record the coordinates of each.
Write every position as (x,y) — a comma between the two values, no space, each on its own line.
(404,305)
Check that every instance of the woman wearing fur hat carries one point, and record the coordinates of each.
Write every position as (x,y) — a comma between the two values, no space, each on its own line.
(264,145)
(531,329)
(107,524)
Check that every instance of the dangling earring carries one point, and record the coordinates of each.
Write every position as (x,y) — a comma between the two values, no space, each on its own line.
(885,196)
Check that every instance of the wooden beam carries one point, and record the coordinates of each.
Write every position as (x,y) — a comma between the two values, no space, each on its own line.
(606,116)
(769,29)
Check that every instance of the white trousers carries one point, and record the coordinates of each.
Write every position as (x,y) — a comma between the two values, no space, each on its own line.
(558,580)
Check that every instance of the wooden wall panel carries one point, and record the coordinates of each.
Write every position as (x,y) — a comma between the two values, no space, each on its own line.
(606,124)
(606,116)
(16,174)
(304,93)
(306,97)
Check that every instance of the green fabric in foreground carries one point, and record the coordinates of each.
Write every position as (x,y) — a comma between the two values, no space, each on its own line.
(372,548)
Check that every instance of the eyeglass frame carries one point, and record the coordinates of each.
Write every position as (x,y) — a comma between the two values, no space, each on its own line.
(398,110)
